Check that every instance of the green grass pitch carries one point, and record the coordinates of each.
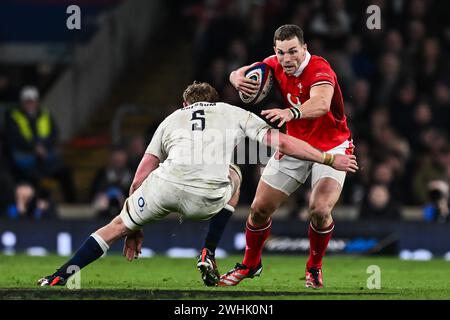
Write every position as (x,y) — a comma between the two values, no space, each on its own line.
(112,277)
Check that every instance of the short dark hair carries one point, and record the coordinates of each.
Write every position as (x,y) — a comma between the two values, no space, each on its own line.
(200,91)
(287,32)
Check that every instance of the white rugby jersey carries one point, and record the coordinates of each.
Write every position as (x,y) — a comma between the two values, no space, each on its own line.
(195,144)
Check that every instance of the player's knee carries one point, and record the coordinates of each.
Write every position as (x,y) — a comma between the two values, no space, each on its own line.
(320,212)
(261,210)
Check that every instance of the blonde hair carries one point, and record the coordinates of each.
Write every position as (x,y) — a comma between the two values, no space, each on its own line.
(200,91)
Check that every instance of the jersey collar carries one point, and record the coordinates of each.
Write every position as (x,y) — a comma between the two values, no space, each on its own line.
(303,65)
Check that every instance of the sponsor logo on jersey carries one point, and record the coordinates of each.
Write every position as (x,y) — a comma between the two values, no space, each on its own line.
(141,203)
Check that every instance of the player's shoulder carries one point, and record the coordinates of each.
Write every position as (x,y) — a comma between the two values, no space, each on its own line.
(174,117)
(230,108)
(319,67)
(173,114)
(319,61)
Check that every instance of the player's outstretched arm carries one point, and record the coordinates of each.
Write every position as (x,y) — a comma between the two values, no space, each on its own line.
(242,83)
(304,151)
(148,163)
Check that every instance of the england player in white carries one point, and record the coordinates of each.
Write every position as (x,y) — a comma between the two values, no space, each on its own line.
(186,169)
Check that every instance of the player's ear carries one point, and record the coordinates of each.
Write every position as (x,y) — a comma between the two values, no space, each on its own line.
(185,104)
(275,49)
(305,46)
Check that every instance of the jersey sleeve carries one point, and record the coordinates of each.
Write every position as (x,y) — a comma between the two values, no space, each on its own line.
(254,127)
(271,61)
(156,146)
(322,74)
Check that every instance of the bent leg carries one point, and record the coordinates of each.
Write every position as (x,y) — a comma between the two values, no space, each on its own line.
(267,200)
(324,196)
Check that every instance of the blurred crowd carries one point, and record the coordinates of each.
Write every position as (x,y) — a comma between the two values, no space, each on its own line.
(395,82)
(30,159)
(32,165)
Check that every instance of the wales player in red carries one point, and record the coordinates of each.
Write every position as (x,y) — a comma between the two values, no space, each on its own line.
(314,112)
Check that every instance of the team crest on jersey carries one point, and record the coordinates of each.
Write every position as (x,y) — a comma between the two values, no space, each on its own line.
(300,87)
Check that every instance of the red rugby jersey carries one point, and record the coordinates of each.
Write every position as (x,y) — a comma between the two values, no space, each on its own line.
(324,132)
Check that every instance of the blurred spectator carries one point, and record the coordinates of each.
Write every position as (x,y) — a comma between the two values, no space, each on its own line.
(360,95)
(383,174)
(387,78)
(301,15)
(431,65)
(428,169)
(394,42)
(441,104)
(27,204)
(415,37)
(437,208)
(258,34)
(423,116)
(32,140)
(362,64)
(237,55)
(332,20)
(218,74)
(417,9)
(402,109)
(111,184)
(21,201)
(379,204)
(422,120)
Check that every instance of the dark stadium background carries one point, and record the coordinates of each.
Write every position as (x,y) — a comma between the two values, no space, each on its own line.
(109,84)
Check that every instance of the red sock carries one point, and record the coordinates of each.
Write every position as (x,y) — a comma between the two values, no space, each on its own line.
(255,238)
(318,242)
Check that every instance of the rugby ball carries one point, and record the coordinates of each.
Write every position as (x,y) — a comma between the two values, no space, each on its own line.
(262,73)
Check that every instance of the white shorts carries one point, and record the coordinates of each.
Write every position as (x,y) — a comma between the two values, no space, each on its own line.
(287,173)
(156,198)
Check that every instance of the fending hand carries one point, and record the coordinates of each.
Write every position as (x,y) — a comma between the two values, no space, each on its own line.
(133,245)
(284,115)
(345,162)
